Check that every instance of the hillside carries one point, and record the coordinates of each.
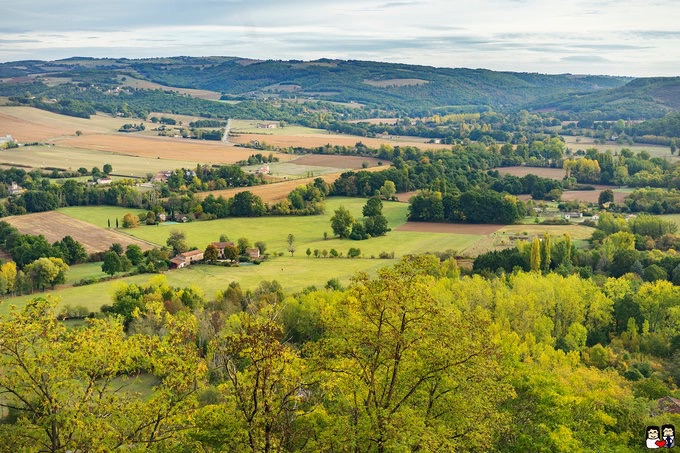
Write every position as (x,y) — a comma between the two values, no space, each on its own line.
(404,89)
(640,98)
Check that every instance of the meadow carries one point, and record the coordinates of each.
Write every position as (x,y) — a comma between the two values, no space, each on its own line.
(308,230)
(293,272)
(576,143)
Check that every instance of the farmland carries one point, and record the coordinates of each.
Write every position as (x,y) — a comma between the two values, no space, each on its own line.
(576,143)
(55,225)
(277,191)
(294,273)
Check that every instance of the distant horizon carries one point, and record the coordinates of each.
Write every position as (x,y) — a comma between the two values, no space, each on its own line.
(627,38)
(88,57)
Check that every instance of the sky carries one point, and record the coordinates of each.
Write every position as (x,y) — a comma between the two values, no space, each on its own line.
(624,37)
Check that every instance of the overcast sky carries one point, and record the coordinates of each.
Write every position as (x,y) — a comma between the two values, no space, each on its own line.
(623,37)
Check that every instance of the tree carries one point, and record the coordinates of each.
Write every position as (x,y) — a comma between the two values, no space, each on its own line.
(231,253)
(342,222)
(211,253)
(546,252)
(261,246)
(111,263)
(309,252)
(130,221)
(376,225)
(291,243)
(388,190)
(134,253)
(243,245)
(45,272)
(63,385)
(107,168)
(372,207)
(71,250)
(399,374)
(353,252)
(264,385)
(606,196)
(535,255)
(246,204)
(177,242)
(150,218)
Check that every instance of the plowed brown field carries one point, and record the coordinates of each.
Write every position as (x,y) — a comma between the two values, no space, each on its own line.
(55,225)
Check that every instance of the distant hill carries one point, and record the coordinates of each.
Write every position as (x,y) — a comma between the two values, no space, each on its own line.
(405,89)
(640,98)
(399,88)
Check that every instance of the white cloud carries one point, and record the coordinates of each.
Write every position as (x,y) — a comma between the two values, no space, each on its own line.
(630,37)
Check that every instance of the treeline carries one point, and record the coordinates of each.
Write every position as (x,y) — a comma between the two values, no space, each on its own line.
(473,206)
(642,248)
(303,200)
(417,358)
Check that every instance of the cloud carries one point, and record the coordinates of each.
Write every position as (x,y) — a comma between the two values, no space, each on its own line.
(535,35)
(585,59)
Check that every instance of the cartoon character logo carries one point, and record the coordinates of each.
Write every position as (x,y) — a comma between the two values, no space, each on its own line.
(661,438)
(668,436)
(653,441)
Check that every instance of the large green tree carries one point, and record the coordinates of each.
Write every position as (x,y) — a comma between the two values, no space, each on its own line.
(406,372)
(342,222)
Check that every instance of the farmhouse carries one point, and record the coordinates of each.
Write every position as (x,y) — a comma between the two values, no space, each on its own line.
(267,125)
(186,258)
(573,215)
(253,253)
(6,139)
(102,181)
(221,246)
(15,189)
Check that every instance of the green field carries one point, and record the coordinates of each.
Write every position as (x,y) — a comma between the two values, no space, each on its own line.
(308,230)
(99,215)
(580,142)
(294,273)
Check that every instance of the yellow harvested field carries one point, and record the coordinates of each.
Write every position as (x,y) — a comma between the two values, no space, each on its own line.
(28,124)
(544,172)
(166,148)
(314,140)
(55,226)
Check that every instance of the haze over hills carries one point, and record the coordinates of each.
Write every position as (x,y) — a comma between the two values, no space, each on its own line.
(399,88)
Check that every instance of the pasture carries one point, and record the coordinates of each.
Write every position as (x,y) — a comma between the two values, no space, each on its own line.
(576,143)
(56,225)
(543,172)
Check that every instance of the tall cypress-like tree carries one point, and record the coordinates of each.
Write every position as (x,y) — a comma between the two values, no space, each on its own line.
(545,252)
(535,256)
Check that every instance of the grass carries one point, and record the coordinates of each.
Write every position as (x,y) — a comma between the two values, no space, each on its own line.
(294,273)
(308,230)
(100,215)
(86,270)
(587,142)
